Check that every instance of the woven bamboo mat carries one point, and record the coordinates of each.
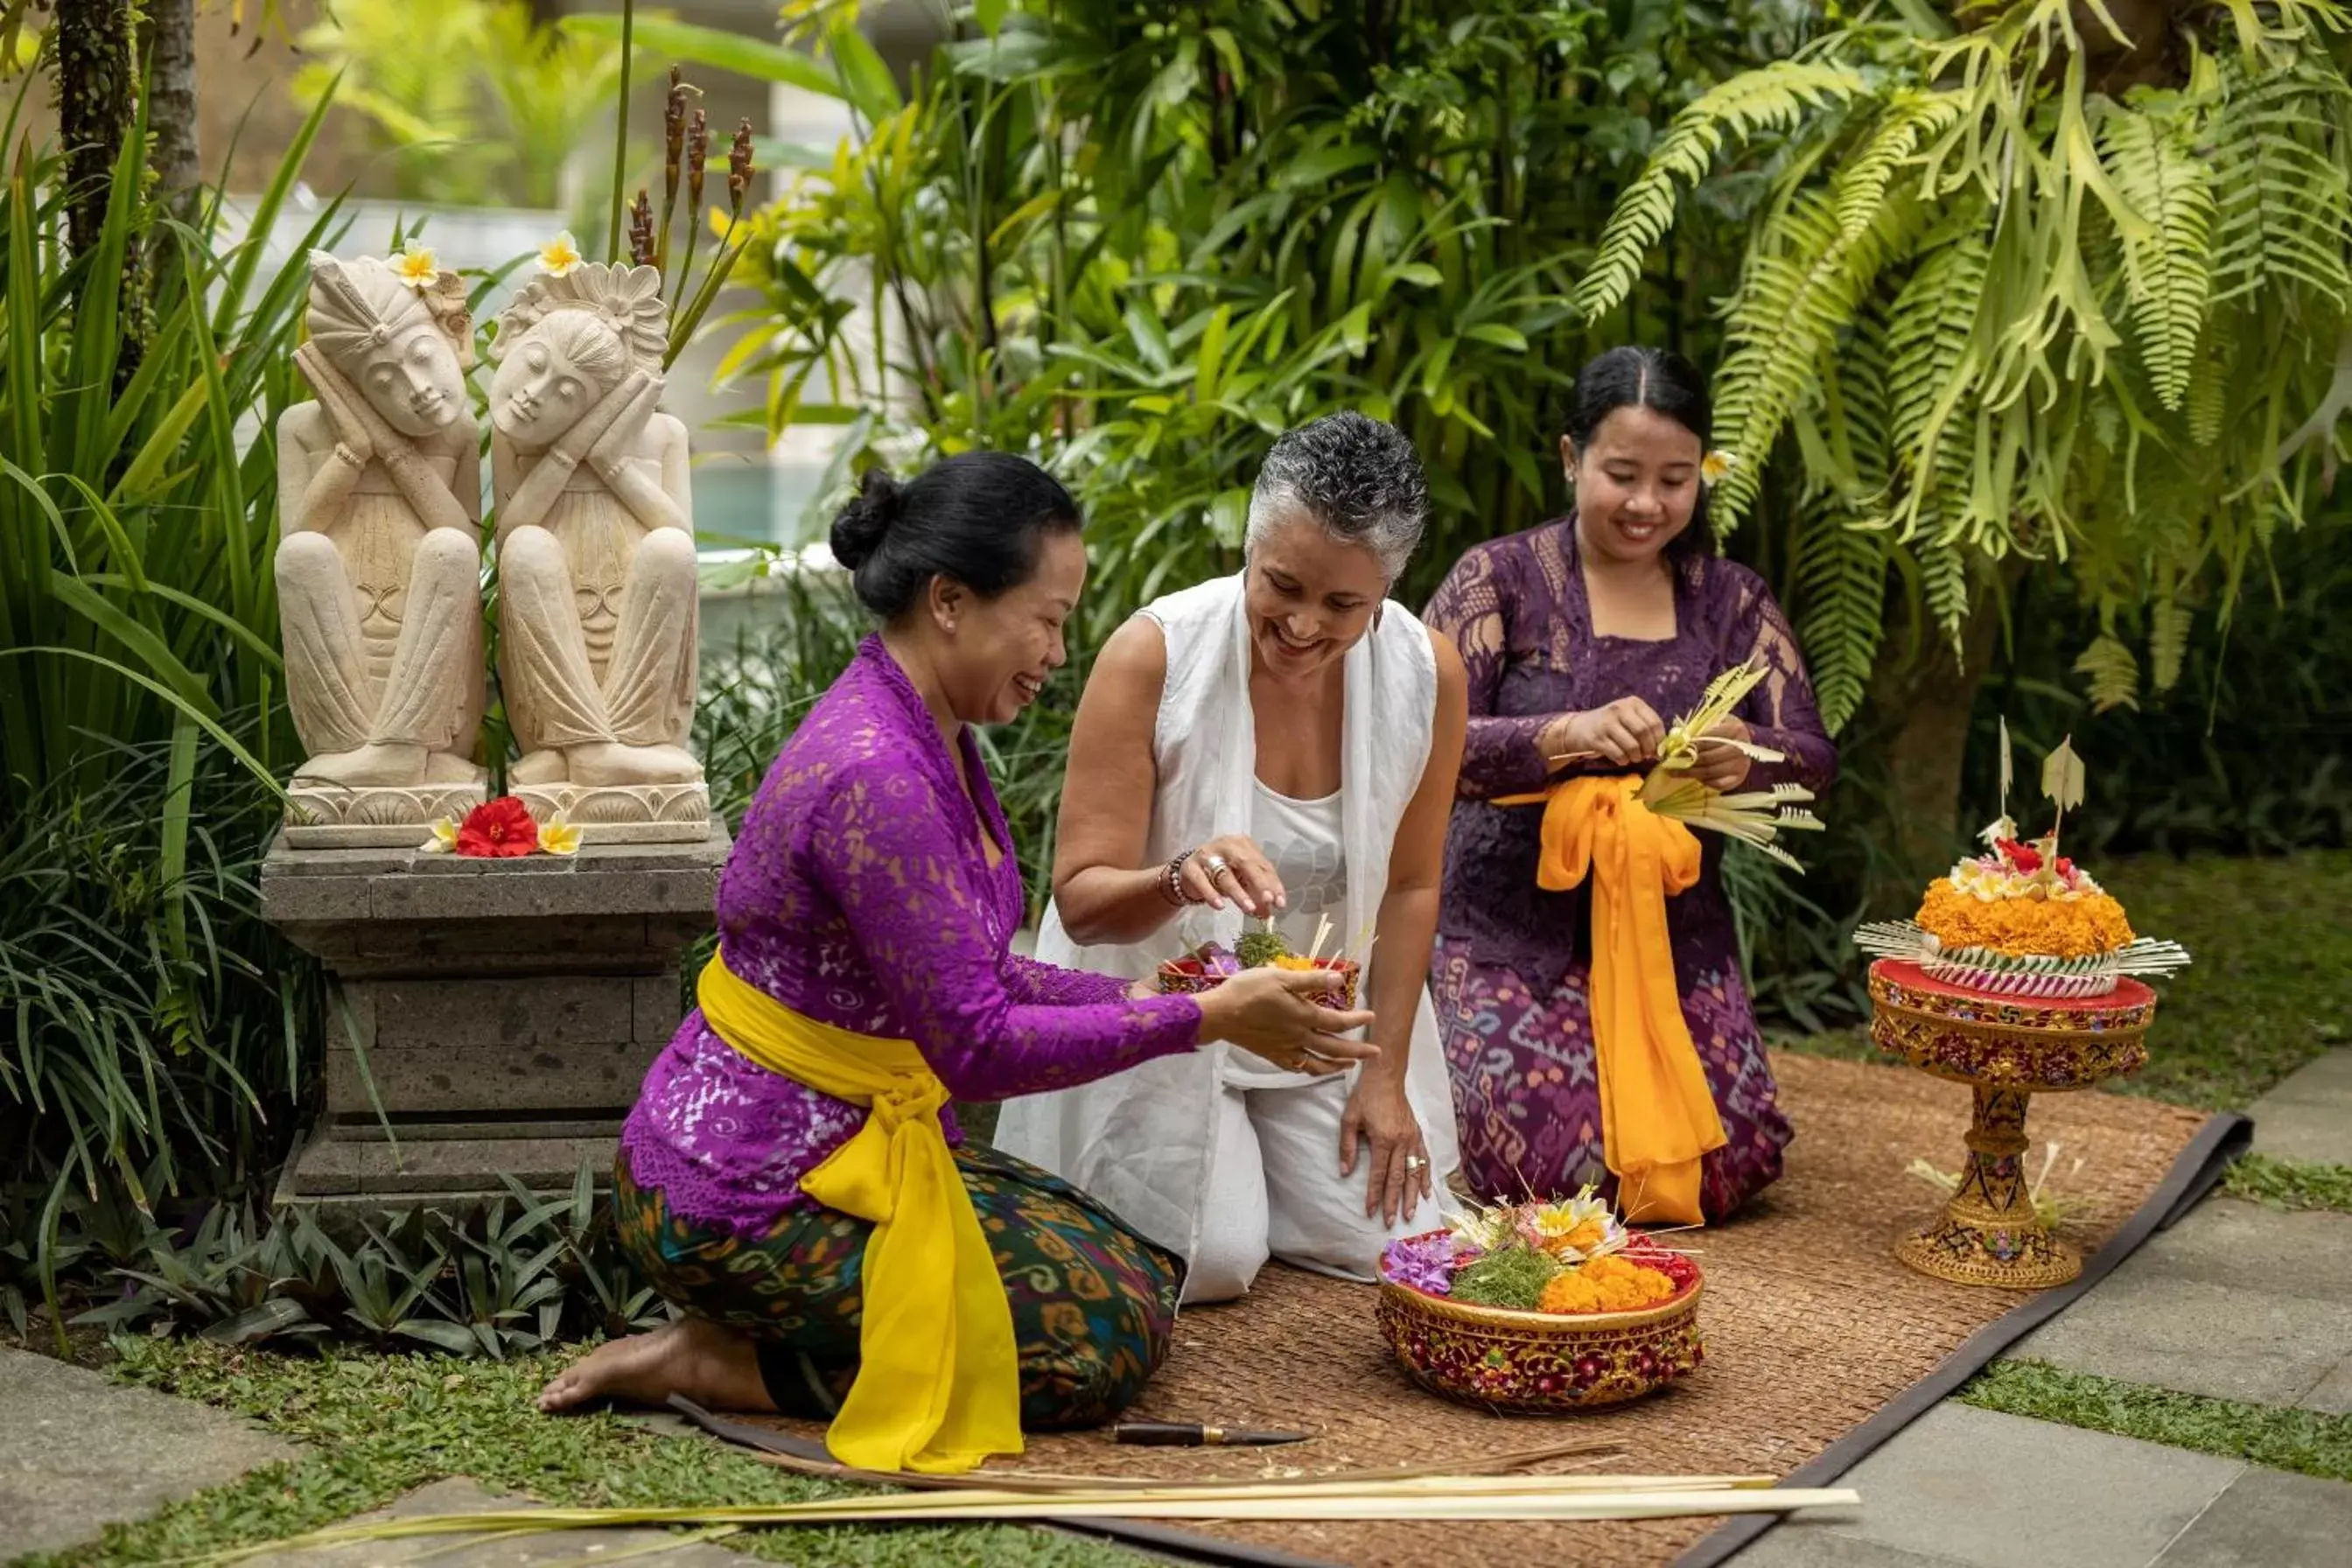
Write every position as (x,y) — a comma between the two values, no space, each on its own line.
(1810,1326)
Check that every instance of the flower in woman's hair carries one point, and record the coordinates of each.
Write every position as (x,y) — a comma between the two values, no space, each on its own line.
(1715,467)
(1422,1262)
(560,255)
(558,836)
(444,838)
(497,829)
(416,265)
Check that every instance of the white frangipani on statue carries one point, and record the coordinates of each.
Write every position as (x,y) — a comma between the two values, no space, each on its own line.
(597,592)
(379,573)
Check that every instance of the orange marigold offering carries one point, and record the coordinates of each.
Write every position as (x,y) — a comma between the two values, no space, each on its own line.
(1567,1258)
(1611,1284)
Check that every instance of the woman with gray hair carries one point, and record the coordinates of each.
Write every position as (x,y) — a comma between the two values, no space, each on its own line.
(1276,747)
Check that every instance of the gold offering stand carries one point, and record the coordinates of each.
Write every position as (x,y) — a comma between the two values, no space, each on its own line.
(2007,1049)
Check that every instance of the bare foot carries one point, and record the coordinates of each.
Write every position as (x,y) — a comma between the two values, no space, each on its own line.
(379,764)
(540,767)
(715,1368)
(451,767)
(612,763)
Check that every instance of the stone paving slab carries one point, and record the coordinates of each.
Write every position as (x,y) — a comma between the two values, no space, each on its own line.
(79,1453)
(2269,1519)
(1825,1547)
(2203,1339)
(1973,1487)
(2334,1394)
(2308,1115)
(2237,1302)
(461,1494)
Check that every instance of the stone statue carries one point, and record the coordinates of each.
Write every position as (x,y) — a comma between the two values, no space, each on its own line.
(379,571)
(597,595)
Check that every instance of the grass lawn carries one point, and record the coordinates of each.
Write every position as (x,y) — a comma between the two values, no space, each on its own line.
(2269,988)
(2306,1441)
(381,1425)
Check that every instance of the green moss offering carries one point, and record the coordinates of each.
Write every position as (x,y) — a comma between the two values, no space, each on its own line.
(1514,1278)
(1259,948)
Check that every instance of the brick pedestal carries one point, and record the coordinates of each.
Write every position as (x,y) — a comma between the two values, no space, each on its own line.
(504,1011)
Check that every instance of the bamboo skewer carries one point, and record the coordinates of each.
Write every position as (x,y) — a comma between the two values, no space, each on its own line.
(1433,1498)
(1584,1451)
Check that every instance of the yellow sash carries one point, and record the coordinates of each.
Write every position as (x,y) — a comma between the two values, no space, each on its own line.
(939,1382)
(1657,1115)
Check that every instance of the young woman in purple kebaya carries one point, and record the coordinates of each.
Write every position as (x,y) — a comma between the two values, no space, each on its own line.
(1587,636)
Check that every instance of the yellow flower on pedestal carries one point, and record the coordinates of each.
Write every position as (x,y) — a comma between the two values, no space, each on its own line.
(560,255)
(557,837)
(417,267)
(444,840)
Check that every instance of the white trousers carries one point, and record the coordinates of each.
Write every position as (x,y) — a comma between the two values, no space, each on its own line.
(1275,1189)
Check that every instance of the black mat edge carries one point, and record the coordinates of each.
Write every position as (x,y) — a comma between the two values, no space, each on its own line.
(1160,1540)
(2194,1173)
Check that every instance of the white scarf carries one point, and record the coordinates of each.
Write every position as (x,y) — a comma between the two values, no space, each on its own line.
(1141,1141)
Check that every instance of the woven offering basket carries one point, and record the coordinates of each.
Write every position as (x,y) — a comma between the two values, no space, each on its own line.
(1546,1363)
(1189,977)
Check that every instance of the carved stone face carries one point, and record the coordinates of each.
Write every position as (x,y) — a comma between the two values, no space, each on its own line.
(540,393)
(415,381)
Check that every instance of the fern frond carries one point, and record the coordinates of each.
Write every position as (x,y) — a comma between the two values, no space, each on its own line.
(1944,573)
(2208,403)
(1910,117)
(1839,575)
(1932,371)
(1772,98)
(2285,204)
(2151,156)
(2111,672)
(2168,625)
(1801,289)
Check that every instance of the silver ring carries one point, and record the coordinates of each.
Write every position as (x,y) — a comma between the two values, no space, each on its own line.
(1216,864)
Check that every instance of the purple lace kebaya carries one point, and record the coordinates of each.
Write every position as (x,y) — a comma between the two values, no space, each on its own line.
(859,893)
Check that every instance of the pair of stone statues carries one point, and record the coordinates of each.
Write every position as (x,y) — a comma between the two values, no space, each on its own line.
(380,572)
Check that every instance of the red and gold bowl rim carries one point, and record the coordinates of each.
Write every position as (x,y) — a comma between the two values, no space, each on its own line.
(1189,977)
(1563,1324)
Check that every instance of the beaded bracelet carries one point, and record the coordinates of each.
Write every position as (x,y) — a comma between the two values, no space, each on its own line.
(1172,888)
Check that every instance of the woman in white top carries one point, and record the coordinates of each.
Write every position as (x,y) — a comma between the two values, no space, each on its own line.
(1278,745)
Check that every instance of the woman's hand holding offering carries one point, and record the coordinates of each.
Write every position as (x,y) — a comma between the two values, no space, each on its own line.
(1723,768)
(1231,866)
(1625,733)
(1272,1013)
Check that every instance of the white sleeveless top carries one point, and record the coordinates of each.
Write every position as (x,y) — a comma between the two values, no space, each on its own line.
(1142,1141)
(1302,838)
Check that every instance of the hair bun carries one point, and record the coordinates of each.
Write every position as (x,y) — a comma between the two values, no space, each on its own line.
(858,530)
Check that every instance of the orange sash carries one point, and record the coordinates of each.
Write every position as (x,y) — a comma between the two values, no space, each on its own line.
(1657,1114)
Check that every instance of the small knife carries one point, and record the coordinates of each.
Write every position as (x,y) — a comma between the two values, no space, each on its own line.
(1192,1435)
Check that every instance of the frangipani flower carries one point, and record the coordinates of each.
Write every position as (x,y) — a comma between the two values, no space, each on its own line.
(416,265)
(1716,467)
(559,256)
(557,837)
(444,840)
(1579,1229)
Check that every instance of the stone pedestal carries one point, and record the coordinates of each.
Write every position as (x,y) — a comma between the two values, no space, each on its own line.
(496,1016)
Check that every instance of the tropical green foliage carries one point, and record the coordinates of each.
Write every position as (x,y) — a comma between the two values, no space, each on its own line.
(2005,310)
(1140,246)
(152,1024)
(478,104)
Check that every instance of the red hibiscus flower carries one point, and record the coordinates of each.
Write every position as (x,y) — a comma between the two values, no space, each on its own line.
(2024,857)
(497,829)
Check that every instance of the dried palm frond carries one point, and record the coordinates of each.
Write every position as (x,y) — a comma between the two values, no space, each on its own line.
(1753,817)
(1423,1498)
